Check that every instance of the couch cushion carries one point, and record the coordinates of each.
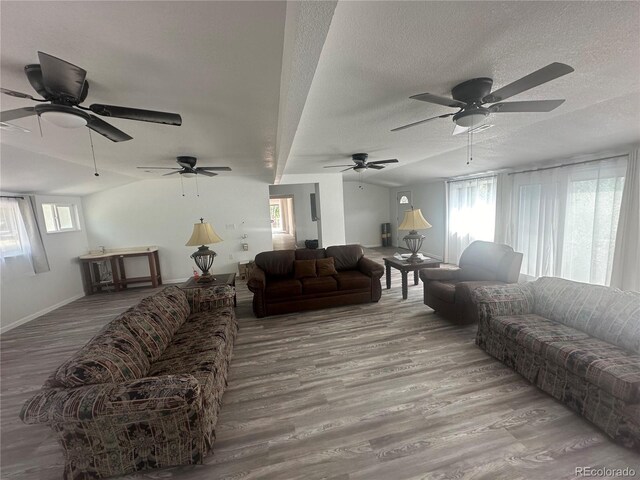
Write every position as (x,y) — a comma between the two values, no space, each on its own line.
(613,369)
(200,330)
(282,287)
(353,280)
(150,327)
(319,285)
(620,325)
(304,268)
(443,290)
(578,305)
(170,305)
(326,267)
(484,260)
(278,263)
(114,355)
(532,331)
(345,256)
(475,272)
(309,253)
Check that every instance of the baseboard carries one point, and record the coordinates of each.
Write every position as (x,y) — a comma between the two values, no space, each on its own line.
(44,311)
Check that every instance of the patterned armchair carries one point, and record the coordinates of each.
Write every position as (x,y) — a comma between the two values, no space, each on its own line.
(578,342)
(145,391)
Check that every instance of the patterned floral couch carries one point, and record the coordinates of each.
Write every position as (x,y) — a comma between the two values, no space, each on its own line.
(146,390)
(578,342)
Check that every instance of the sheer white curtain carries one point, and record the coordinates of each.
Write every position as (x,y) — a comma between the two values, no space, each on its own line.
(564,220)
(471,210)
(14,241)
(626,261)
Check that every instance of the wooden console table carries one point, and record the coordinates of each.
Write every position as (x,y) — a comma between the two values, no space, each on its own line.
(115,257)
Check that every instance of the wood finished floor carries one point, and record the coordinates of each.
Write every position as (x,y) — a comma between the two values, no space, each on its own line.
(385,391)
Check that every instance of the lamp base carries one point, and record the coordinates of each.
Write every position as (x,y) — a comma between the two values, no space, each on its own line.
(414,243)
(414,258)
(206,279)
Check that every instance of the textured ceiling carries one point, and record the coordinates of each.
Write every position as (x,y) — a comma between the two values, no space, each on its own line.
(218,64)
(377,54)
(269,88)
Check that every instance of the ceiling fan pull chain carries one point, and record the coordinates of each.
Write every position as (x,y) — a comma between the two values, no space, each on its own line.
(95,166)
(471,145)
(40,125)
(182,185)
(197,189)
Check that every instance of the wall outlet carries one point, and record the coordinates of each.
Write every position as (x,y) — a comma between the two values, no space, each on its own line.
(245,247)
(230,226)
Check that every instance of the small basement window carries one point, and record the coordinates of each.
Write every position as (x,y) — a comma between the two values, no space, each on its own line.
(60,217)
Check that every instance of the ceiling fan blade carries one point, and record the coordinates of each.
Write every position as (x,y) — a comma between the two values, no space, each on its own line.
(338,166)
(380,162)
(421,121)
(109,131)
(137,114)
(34,75)
(457,130)
(532,106)
(199,171)
(544,75)
(10,115)
(13,93)
(160,168)
(217,169)
(172,173)
(350,168)
(60,78)
(374,166)
(447,102)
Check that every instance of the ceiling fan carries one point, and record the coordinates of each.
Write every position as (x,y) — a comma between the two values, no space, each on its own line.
(188,168)
(361,164)
(63,87)
(471,96)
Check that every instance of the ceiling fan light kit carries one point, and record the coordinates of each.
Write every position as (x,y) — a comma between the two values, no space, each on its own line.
(63,116)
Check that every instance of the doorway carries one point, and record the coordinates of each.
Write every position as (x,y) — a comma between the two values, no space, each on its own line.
(283,223)
(403,203)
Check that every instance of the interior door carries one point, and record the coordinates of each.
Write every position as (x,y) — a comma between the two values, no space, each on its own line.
(403,203)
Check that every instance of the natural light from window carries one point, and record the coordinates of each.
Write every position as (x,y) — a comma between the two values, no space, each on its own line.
(60,217)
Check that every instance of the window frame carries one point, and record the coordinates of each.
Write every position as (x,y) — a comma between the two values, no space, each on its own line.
(75,218)
(15,232)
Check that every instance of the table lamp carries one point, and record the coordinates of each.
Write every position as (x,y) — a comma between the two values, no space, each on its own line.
(413,221)
(203,235)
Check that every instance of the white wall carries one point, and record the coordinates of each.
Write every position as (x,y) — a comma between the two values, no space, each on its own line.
(331,204)
(306,229)
(366,207)
(430,199)
(26,295)
(154,212)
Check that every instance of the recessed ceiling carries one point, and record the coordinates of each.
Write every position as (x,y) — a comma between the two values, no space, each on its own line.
(218,64)
(377,54)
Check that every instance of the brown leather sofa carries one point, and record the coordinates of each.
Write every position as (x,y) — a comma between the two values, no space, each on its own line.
(276,290)
(448,290)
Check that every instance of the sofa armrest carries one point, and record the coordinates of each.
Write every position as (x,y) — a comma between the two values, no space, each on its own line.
(370,268)
(136,400)
(210,298)
(506,299)
(257,280)
(428,274)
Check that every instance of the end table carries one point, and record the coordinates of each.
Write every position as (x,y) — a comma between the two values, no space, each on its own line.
(220,279)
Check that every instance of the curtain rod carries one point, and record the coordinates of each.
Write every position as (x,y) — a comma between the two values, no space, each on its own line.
(568,164)
(9,196)
(471,178)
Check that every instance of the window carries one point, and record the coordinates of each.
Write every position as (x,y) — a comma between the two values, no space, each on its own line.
(567,218)
(13,236)
(471,214)
(276,218)
(60,217)
(404,200)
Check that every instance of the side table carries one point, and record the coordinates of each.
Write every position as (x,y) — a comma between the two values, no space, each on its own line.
(405,268)
(220,279)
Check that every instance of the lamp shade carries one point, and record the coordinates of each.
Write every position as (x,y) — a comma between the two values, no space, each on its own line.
(413,220)
(203,234)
